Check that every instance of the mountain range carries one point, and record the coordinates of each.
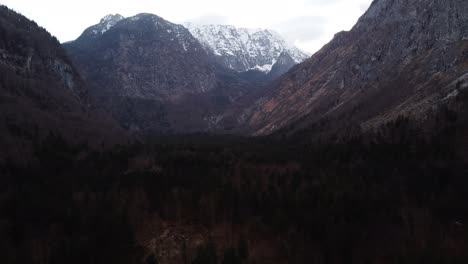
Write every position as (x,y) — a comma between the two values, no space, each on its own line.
(153,76)
(243,49)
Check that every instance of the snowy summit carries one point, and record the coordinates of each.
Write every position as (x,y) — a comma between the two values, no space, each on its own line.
(243,49)
(104,25)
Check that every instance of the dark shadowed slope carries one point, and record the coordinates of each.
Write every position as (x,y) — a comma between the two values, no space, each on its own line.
(41,93)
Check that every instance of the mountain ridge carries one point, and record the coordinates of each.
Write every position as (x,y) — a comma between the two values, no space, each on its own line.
(401,58)
(154,75)
(244,49)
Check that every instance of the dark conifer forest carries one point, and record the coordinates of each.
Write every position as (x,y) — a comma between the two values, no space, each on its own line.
(395,195)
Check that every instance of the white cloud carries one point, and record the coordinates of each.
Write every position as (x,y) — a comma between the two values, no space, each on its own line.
(308,23)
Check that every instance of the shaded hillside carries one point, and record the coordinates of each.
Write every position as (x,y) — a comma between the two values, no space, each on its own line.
(41,92)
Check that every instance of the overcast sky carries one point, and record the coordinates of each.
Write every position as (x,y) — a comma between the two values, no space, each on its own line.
(309,24)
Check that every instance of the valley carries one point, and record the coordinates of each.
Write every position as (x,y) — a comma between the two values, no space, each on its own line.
(145,141)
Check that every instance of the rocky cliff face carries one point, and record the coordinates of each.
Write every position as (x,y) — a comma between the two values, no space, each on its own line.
(244,49)
(154,75)
(139,57)
(284,63)
(403,57)
(41,93)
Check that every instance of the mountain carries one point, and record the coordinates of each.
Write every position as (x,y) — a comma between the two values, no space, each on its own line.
(134,56)
(41,93)
(153,75)
(403,57)
(244,49)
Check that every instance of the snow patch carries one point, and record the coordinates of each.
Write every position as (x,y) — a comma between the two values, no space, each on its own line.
(106,23)
(265,68)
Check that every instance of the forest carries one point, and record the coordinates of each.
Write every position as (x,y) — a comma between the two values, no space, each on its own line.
(392,195)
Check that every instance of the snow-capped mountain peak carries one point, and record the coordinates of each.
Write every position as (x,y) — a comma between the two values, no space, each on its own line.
(104,25)
(244,49)
(111,18)
(109,21)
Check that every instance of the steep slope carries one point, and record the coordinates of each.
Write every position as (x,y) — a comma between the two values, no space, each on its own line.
(284,63)
(41,93)
(403,57)
(244,49)
(153,75)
